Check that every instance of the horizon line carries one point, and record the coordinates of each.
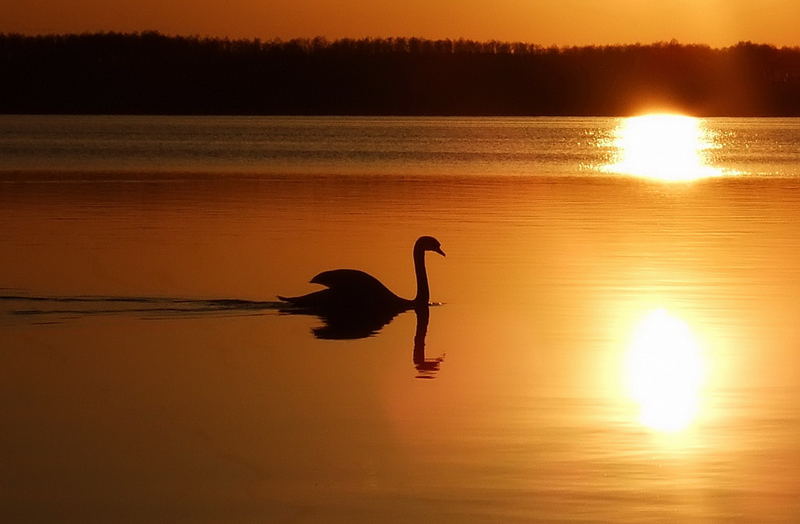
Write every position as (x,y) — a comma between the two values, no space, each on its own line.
(328,40)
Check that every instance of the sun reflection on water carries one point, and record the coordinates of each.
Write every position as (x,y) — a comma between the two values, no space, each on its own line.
(665,371)
(663,147)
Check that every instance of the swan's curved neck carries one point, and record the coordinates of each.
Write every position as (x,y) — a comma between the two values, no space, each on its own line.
(423,293)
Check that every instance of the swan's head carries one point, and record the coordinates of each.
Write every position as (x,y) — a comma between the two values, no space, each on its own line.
(429,244)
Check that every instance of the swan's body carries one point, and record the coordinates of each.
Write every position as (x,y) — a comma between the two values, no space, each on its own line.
(354,289)
(348,288)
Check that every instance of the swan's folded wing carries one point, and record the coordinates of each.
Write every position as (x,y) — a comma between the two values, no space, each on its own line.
(348,278)
(356,288)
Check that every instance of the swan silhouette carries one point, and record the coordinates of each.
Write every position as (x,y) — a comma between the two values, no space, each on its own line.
(353,290)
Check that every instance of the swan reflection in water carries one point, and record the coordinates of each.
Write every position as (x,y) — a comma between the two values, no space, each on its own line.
(350,325)
(426,367)
(357,305)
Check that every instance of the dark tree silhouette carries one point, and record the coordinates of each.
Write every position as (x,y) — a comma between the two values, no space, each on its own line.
(155,74)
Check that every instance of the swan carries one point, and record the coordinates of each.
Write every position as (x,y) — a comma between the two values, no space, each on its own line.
(353,289)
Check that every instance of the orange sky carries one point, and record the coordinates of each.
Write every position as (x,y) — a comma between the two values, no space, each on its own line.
(561,22)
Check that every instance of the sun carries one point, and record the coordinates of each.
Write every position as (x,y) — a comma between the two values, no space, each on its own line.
(665,147)
(665,371)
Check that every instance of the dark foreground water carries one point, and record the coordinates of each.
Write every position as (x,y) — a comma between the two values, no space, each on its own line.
(617,338)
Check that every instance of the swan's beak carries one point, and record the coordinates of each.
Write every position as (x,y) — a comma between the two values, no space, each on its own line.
(439,250)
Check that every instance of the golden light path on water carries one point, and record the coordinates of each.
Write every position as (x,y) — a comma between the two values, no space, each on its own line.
(664,147)
(665,371)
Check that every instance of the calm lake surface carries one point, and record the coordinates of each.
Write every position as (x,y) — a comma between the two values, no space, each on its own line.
(616,335)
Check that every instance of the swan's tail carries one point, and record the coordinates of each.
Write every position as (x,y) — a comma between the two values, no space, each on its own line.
(309,300)
(317,299)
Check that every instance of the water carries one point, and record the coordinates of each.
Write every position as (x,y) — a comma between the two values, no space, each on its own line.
(609,347)
(374,146)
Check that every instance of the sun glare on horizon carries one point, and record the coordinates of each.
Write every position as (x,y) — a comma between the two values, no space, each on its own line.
(664,147)
(665,371)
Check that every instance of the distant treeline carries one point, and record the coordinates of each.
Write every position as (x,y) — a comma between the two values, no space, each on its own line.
(150,73)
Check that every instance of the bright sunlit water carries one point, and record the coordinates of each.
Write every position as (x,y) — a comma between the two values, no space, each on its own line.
(670,148)
(665,370)
(617,339)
